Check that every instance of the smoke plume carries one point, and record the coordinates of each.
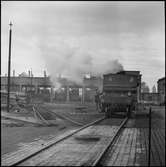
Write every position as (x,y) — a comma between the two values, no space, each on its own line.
(74,63)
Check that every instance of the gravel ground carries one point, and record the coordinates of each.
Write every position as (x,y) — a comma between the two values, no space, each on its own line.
(71,107)
(6,122)
(85,116)
(14,133)
(11,137)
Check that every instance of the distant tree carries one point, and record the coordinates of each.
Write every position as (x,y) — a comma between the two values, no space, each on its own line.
(154,89)
(144,88)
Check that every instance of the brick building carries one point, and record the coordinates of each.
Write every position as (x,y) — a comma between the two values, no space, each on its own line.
(150,97)
(42,86)
(161,90)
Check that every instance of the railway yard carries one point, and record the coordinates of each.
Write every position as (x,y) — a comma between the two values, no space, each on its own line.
(83,84)
(77,135)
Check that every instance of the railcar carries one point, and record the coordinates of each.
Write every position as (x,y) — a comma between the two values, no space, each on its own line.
(121,92)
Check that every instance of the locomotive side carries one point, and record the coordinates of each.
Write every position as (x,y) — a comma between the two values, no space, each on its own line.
(121,92)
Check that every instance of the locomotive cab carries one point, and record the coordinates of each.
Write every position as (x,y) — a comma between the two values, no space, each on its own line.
(120,93)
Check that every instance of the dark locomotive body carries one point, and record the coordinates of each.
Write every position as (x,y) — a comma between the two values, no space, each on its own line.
(121,92)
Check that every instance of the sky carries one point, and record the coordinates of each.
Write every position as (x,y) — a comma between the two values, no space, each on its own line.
(77,37)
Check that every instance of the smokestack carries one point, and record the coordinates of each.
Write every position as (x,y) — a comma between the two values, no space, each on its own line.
(13,73)
(29,73)
(45,75)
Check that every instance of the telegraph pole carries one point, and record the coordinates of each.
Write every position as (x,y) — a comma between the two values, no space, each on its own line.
(149,148)
(31,87)
(9,64)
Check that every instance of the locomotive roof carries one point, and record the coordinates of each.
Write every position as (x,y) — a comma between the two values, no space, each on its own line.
(124,73)
(163,78)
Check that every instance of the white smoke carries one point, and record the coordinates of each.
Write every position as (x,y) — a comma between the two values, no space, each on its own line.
(73,63)
(110,66)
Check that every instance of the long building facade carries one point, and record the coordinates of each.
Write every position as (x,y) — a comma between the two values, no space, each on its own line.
(44,87)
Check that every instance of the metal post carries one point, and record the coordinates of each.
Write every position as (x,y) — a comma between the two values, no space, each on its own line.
(36,89)
(149,149)
(9,64)
(51,94)
(20,88)
(67,93)
(83,94)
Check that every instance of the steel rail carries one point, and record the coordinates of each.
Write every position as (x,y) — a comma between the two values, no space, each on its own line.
(96,162)
(40,117)
(57,115)
(67,118)
(55,142)
(63,117)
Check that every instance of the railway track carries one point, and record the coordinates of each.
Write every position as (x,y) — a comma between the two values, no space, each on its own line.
(39,116)
(40,108)
(97,161)
(99,140)
(15,162)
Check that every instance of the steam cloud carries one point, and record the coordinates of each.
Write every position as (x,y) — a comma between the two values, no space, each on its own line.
(73,63)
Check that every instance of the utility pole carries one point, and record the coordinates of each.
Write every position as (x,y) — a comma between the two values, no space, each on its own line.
(149,148)
(31,86)
(9,64)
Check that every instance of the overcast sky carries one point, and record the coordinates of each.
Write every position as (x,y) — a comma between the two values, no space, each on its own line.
(130,32)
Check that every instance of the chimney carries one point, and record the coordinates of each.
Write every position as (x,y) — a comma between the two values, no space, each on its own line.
(45,75)
(13,73)
(29,74)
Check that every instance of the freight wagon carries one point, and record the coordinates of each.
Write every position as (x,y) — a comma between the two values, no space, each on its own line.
(121,92)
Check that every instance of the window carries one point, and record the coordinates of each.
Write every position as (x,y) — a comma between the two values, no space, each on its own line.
(131,79)
(110,78)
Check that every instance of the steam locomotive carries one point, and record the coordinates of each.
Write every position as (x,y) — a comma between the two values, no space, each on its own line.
(121,92)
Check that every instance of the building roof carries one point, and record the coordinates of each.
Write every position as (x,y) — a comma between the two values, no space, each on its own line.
(129,72)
